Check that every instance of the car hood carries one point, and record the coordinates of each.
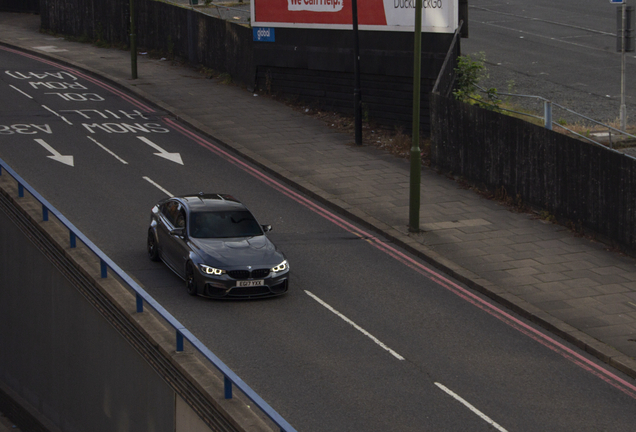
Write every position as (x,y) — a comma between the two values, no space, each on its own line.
(232,253)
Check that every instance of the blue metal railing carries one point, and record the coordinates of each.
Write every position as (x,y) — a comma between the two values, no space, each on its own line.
(142,297)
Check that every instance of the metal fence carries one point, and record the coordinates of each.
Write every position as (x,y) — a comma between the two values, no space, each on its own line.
(237,11)
(446,78)
(143,298)
(548,118)
(589,186)
(22,6)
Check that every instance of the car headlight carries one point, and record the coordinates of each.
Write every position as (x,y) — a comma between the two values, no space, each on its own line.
(280,267)
(211,270)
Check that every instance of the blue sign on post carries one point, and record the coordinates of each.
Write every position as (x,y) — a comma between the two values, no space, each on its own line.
(263,34)
(617,1)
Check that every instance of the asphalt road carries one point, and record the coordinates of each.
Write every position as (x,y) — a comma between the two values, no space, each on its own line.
(369,338)
(562,50)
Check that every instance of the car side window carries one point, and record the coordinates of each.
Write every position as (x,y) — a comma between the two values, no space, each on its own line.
(181,217)
(171,212)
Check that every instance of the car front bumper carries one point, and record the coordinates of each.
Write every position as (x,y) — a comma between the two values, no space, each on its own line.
(227,287)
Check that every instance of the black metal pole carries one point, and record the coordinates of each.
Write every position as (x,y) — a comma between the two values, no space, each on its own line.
(133,41)
(357,97)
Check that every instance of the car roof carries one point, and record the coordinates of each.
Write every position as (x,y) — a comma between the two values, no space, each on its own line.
(211,202)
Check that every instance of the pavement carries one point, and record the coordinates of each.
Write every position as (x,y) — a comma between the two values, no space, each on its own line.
(577,288)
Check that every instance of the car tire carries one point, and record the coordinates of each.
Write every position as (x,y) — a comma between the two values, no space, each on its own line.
(191,285)
(153,249)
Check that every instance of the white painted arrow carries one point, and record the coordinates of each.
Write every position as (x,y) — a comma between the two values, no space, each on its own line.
(174,157)
(55,155)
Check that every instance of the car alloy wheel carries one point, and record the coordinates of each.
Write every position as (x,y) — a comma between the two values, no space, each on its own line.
(191,285)
(153,250)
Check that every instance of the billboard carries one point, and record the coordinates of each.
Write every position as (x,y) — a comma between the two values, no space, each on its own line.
(438,16)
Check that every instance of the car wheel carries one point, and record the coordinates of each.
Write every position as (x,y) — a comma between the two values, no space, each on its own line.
(153,250)
(191,284)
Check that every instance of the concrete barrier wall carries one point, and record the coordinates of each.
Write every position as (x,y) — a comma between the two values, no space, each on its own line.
(62,357)
(76,354)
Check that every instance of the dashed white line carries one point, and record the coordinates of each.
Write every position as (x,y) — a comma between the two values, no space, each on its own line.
(357,327)
(17,89)
(472,408)
(158,187)
(108,150)
(62,117)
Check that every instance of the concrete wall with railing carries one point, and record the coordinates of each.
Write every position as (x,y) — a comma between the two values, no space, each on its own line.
(78,350)
(62,357)
(588,187)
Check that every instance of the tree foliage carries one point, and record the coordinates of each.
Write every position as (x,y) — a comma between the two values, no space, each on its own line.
(468,73)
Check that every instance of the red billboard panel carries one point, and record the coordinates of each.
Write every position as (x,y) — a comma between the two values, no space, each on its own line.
(438,16)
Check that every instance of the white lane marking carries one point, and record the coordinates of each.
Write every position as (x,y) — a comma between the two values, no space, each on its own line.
(50,49)
(472,408)
(15,88)
(62,117)
(55,155)
(158,187)
(356,326)
(107,150)
(174,157)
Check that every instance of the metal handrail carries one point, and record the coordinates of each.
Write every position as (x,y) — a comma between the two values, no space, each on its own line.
(245,12)
(230,378)
(447,59)
(551,123)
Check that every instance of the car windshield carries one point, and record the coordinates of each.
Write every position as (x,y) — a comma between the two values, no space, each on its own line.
(224,224)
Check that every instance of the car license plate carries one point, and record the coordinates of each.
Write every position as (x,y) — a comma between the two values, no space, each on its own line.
(250,283)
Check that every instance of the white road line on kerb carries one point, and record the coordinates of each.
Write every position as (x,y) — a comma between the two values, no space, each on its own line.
(108,151)
(15,88)
(60,116)
(356,326)
(472,408)
(158,187)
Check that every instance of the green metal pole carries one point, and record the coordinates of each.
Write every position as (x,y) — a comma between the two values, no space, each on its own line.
(416,154)
(133,41)
(623,108)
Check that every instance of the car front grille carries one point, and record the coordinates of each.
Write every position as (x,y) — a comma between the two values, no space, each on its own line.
(259,273)
(239,274)
(246,274)
(249,291)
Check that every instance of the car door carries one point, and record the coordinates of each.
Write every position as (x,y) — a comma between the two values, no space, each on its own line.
(177,250)
(167,222)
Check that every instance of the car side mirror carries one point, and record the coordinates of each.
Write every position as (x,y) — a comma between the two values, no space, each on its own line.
(266,228)
(179,232)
